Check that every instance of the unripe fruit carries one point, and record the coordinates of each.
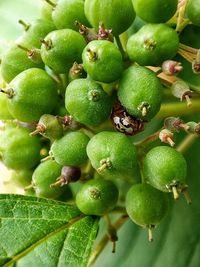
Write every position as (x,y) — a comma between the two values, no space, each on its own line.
(97,197)
(33,93)
(4,112)
(21,178)
(155,11)
(146,206)
(116,15)
(106,153)
(44,175)
(140,92)
(61,48)
(102,60)
(67,12)
(193,11)
(148,47)
(87,102)
(170,174)
(18,149)
(14,61)
(35,31)
(70,150)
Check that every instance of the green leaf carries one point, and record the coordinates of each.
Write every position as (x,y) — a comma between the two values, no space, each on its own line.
(40,232)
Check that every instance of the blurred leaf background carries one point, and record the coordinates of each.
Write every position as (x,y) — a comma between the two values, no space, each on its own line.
(177,239)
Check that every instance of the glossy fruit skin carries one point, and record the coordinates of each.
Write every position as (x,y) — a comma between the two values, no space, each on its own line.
(87,102)
(97,197)
(148,47)
(18,149)
(138,85)
(107,66)
(112,145)
(70,150)
(46,11)
(66,47)
(4,112)
(116,15)
(44,175)
(193,11)
(164,166)
(145,205)
(155,11)
(38,29)
(14,61)
(66,13)
(34,94)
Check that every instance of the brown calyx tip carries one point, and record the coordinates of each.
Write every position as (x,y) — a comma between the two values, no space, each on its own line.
(187,96)
(24,24)
(46,43)
(91,55)
(166,137)
(9,92)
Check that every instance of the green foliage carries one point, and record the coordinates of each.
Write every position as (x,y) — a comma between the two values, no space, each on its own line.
(47,233)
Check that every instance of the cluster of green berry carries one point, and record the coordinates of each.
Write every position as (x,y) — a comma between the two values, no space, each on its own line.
(70,74)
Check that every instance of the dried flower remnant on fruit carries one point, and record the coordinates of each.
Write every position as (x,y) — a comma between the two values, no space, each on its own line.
(33,54)
(76,71)
(196,63)
(181,90)
(69,174)
(171,67)
(124,122)
(166,136)
(193,127)
(175,124)
(88,33)
(69,123)
(104,34)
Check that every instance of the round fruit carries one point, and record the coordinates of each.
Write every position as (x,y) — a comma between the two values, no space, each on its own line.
(67,12)
(4,112)
(33,93)
(49,126)
(193,11)
(166,169)
(61,48)
(102,60)
(97,197)
(145,205)
(155,10)
(34,32)
(140,92)
(18,149)
(70,149)
(116,15)
(14,61)
(44,175)
(148,47)
(112,154)
(87,102)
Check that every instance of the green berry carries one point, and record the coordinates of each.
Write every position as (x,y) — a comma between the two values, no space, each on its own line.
(146,206)
(14,61)
(166,169)
(67,12)
(4,112)
(193,11)
(31,94)
(116,15)
(106,151)
(140,92)
(49,126)
(155,11)
(148,47)
(102,60)
(61,48)
(44,175)
(97,197)
(87,102)
(34,32)
(18,149)
(70,150)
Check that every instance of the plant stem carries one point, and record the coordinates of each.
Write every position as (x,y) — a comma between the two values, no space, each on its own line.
(103,242)
(119,44)
(178,109)
(187,143)
(149,139)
